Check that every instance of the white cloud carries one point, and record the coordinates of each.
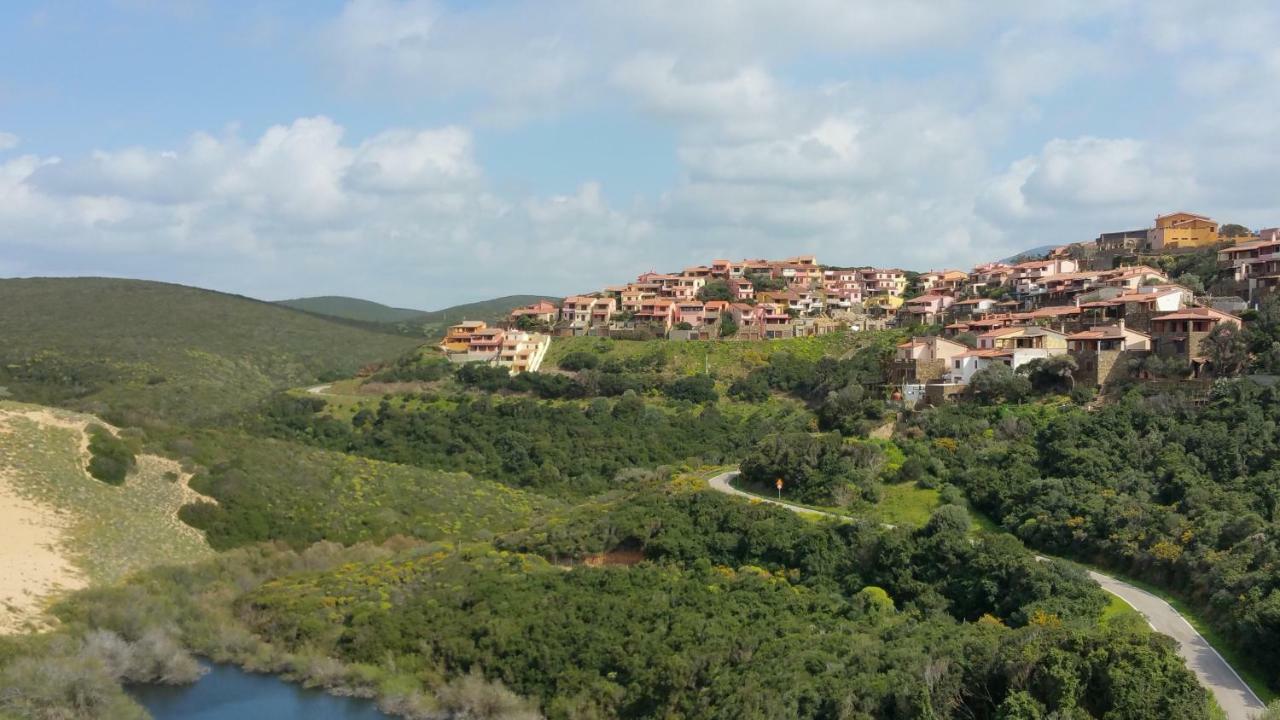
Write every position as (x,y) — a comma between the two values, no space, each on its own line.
(8,141)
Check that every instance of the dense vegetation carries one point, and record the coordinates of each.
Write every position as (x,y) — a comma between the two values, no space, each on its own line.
(562,449)
(690,636)
(110,458)
(349,308)
(1182,495)
(143,353)
(276,490)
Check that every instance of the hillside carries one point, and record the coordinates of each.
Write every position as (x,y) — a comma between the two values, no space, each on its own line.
(349,308)
(1031,254)
(141,351)
(61,529)
(429,323)
(275,490)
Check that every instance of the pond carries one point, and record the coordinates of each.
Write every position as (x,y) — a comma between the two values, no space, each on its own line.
(229,693)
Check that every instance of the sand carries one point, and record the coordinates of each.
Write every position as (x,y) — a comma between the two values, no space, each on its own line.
(37,564)
(33,567)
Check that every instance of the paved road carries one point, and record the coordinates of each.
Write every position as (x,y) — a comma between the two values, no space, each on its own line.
(1232,694)
(319,389)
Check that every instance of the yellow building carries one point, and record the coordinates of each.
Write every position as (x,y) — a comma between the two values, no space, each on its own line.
(884,302)
(458,337)
(1182,230)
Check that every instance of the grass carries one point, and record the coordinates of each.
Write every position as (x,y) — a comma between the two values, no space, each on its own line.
(1119,611)
(906,504)
(137,351)
(724,358)
(111,531)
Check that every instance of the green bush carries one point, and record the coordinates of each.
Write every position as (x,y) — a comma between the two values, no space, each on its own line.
(111,457)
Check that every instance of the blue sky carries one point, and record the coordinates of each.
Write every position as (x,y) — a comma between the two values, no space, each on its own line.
(424,153)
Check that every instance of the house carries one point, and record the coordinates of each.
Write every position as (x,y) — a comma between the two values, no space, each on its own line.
(659,312)
(972,307)
(741,290)
(1024,337)
(1137,308)
(776,323)
(690,311)
(926,309)
(458,337)
(523,351)
(1123,242)
(1012,346)
(1182,230)
(749,319)
(1254,266)
(485,345)
(579,313)
(884,281)
(1181,334)
(1133,278)
(923,359)
(1102,353)
(541,312)
(1029,278)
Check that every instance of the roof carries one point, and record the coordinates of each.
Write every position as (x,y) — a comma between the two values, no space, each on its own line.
(1197,313)
(986,352)
(1183,212)
(470,324)
(1105,332)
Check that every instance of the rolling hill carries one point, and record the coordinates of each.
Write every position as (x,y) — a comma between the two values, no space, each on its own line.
(349,308)
(139,351)
(430,323)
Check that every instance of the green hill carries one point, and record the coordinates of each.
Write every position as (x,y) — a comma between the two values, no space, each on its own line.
(349,308)
(278,490)
(428,323)
(138,351)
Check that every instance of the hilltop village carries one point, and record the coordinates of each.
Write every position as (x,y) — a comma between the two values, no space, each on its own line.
(1105,303)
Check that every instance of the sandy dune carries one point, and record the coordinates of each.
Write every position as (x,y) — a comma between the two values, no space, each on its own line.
(33,567)
(38,561)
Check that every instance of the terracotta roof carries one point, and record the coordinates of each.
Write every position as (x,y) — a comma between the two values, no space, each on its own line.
(1197,313)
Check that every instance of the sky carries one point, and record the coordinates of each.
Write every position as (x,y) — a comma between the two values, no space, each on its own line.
(424,153)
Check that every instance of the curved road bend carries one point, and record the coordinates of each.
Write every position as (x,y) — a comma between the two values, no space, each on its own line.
(1231,692)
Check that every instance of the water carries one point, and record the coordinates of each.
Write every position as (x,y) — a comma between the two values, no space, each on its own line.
(229,693)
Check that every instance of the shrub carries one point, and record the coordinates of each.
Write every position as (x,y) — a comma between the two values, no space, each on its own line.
(111,457)
(579,360)
(696,389)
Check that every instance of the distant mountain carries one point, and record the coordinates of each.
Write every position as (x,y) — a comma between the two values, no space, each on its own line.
(1034,252)
(490,311)
(349,308)
(427,322)
(138,350)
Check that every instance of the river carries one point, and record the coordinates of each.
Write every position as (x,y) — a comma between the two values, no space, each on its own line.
(229,693)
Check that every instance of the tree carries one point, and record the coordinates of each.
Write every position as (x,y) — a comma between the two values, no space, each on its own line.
(998,382)
(728,327)
(1233,230)
(696,389)
(1051,373)
(765,283)
(1191,282)
(1227,350)
(715,290)
(578,360)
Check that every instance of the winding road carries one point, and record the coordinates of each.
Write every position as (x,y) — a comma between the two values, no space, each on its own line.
(1233,695)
